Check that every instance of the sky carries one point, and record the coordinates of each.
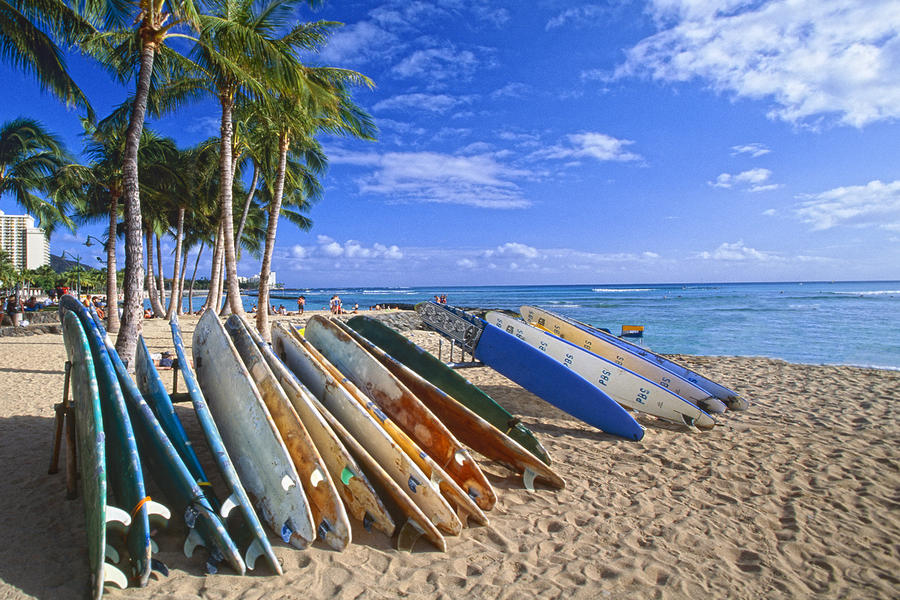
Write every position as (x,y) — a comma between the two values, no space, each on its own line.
(555,142)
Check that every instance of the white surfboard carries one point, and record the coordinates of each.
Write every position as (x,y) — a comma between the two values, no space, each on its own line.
(628,389)
(250,435)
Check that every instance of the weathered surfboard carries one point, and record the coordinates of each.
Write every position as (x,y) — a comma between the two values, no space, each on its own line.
(627,388)
(124,475)
(260,456)
(360,499)
(589,337)
(532,369)
(466,425)
(91,455)
(452,383)
(259,544)
(379,392)
(332,524)
(171,474)
(332,392)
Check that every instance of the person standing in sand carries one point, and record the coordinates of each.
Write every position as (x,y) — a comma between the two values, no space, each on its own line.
(301,303)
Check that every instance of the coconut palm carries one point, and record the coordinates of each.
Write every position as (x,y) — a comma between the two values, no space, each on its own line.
(30,158)
(26,44)
(239,55)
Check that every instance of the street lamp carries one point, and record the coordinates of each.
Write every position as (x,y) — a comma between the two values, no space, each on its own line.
(77,273)
(89,243)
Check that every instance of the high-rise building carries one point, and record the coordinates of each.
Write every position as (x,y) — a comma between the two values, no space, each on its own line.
(26,245)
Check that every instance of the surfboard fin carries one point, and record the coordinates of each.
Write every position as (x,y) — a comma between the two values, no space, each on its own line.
(230,503)
(116,518)
(158,566)
(409,533)
(346,475)
(253,552)
(158,513)
(368,520)
(154,547)
(463,516)
(193,540)
(528,479)
(111,554)
(112,574)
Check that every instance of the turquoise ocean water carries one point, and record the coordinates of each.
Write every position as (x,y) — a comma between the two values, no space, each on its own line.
(854,323)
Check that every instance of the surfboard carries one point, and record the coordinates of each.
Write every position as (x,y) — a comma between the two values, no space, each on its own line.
(627,388)
(452,383)
(171,475)
(124,475)
(467,426)
(360,498)
(532,369)
(382,396)
(588,337)
(332,524)
(259,544)
(91,458)
(248,431)
(332,392)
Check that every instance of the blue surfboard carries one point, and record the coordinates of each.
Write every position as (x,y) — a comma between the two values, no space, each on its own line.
(532,369)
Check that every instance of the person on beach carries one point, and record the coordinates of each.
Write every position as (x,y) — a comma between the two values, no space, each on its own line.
(301,303)
(15,308)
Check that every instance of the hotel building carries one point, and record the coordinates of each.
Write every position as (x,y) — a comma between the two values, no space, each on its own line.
(26,245)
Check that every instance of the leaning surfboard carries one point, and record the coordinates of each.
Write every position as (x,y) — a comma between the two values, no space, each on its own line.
(259,544)
(125,477)
(260,457)
(332,524)
(360,499)
(627,388)
(172,475)
(451,382)
(591,338)
(309,366)
(532,369)
(91,455)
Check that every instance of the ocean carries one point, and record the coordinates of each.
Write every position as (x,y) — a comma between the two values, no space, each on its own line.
(853,323)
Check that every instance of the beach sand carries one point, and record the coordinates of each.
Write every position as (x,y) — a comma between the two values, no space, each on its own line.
(797,497)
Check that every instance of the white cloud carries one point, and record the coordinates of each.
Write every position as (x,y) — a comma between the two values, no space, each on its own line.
(438,63)
(812,59)
(512,249)
(328,247)
(592,145)
(738,251)
(770,212)
(875,204)
(359,43)
(439,103)
(753,180)
(580,15)
(754,149)
(479,180)
(298,251)
(511,90)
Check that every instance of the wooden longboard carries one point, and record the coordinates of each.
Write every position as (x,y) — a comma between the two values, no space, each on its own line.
(380,394)
(627,388)
(91,455)
(124,475)
(593,339)
(532,369)
(466,425)
(248,431)
(332,524)
(428,511)
(259,544)
(452,383)
(172,476)
(360,499)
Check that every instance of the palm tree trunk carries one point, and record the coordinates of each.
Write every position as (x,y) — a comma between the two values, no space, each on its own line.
(193,277)
(224,305)
(214,274)
(112,288)
(175,300)
(179,308)
(249,201)
(151,280)
(226,181)
(161,278)
(133,313)
(262,315)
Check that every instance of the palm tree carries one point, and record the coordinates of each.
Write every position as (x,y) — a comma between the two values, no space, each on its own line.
(26,45)
(30,158)
(238,55)
(157,22)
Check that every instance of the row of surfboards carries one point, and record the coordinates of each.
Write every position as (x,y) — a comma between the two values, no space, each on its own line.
(349,421)
(585,371)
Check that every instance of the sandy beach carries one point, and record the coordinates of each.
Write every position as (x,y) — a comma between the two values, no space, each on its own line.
(797,497)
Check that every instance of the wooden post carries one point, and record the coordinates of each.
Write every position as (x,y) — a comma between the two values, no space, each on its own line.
(60,421)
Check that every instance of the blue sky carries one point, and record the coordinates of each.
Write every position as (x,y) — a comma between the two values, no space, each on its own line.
(572,142)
